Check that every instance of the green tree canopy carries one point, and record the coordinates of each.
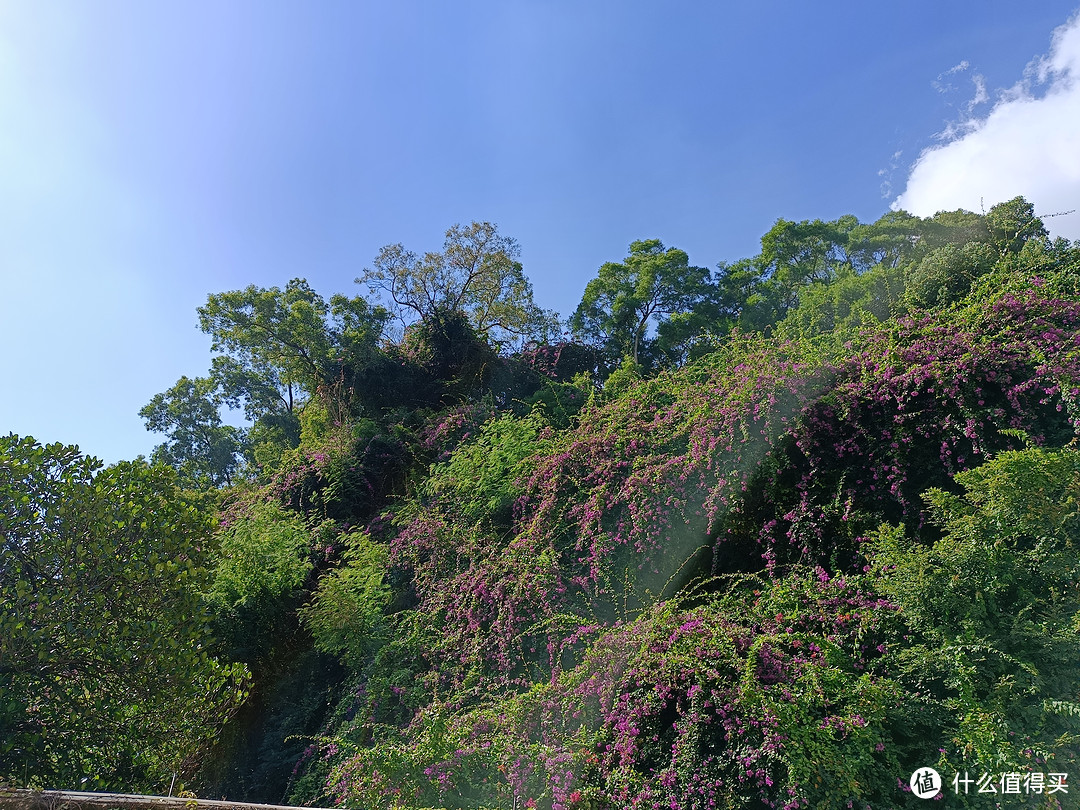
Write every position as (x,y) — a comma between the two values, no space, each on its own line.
(945,274)
(277,347)
(651,286)
(801,263)
(1012,223)
(795,255)
(995,610)
(105,665)
(199,447)
(477,273)
(448,348)
(276,350)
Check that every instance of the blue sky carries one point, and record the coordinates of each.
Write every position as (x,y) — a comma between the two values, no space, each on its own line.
(153,153)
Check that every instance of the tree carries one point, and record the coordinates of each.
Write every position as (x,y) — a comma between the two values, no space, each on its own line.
(105,669)
(795,255)
(894,239)
(201,449)
(801,262)
(945,274)
(1012,223)
(956,228)
(850,302)
(477,273)
(746,295)
(449,350)
(994,609)
(279,348)
(651,286)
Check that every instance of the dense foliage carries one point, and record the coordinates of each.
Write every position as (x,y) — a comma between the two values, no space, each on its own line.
(771,536)
(106,676)
(822,654)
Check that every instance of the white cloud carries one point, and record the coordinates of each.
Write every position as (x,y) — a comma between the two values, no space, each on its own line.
(942,84)
(981,96)
(1028,144)
(886,174)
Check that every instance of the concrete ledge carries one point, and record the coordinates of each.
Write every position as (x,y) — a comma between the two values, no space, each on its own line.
(18,799)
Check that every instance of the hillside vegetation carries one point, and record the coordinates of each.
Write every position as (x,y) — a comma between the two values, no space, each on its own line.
(771,535)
